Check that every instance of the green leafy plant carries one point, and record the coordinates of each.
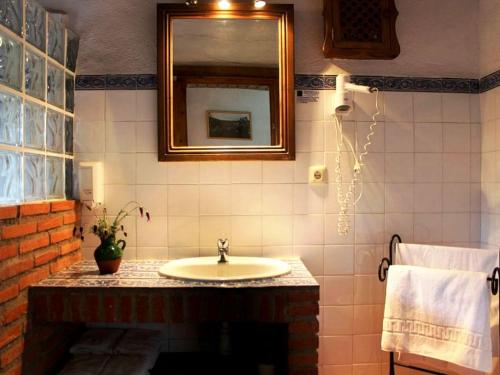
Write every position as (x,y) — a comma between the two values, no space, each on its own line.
(107,228)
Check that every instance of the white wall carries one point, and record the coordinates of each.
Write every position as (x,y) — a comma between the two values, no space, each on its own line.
(490,121)
(438,38)
(489,36)
(422,176)
(202,99)
(422,181)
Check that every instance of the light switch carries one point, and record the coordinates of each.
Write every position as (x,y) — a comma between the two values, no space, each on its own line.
(317,174)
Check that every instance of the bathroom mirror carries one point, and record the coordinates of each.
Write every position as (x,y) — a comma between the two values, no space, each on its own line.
(225,82)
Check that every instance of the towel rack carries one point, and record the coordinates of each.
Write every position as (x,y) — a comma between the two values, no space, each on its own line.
(383,268)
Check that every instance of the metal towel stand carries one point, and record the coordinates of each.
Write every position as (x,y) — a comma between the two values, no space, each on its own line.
(383,268)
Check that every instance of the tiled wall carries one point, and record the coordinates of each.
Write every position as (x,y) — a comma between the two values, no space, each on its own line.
(490,168)
(422,180)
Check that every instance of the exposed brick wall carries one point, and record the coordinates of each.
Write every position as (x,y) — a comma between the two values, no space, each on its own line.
(35,241)
(296,306)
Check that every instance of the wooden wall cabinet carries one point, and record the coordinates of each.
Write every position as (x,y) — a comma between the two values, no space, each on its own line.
(360,29)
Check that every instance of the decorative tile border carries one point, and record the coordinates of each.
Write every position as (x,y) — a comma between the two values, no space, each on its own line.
(312,82)
(489,82)
(417,84)
(116,82)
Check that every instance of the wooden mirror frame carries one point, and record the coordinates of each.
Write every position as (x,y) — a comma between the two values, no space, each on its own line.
(285,113)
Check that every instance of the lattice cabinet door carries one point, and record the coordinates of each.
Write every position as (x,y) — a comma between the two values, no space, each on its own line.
(360,29)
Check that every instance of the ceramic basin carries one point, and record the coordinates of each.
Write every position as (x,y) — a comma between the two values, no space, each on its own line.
(236,269)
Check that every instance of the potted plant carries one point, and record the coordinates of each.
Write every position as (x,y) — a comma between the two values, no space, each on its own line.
(108,255)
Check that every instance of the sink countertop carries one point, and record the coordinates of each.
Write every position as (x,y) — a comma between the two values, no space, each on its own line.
(144,274)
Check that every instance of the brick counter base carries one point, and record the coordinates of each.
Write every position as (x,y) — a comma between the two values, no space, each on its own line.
(297,307)
(35,241)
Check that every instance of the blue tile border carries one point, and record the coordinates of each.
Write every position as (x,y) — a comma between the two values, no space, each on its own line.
(312,82)
(489,82)
(116,82)
(412,84)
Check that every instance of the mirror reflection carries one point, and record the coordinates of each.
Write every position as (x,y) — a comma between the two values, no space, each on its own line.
(226,82)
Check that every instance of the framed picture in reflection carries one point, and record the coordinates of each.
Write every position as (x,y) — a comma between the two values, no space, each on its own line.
(229,125)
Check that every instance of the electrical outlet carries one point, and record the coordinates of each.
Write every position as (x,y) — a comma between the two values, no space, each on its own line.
(317,174)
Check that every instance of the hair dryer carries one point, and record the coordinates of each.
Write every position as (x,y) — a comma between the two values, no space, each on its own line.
(343,101)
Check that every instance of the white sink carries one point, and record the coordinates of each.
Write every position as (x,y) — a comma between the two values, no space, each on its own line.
(236,268)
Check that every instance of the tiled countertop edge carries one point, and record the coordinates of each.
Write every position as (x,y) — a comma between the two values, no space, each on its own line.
(312,82)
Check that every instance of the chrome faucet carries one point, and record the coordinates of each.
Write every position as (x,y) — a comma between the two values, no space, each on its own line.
(223,249)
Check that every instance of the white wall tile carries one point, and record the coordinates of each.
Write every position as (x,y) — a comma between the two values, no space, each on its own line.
(338,320)
(309,136)
(183,173)
(147,109)
(153,198)
(278,171)
(332,135)
(117,196)
(246,172)
(399,167)
(456,107)
(398,106)
(183,231)
(277,199)
(428,197)
(399,198)
(146,134)
(456,227)
(371,199)
(401,224)
(312,256)
(367,258)
(120,137)
(332,236)
(456,197)
(90,136)
(456,167)
(428,137)
(246,199)
(215,199)
(427,107)
(399,137)
(119,168)
(377,139)
(121,105)
(183,200)
(428,167)
(339,260)
(308,199)
(277,230)
(213,228)
(428,228)
(308,229)
(302,163)
(90,105)
(311,111)
(369,228)
(364,107)
(152,233)
(150,170)
(456,137)
(246,230)
(215,172)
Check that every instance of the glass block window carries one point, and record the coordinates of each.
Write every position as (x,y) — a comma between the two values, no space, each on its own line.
(37,82)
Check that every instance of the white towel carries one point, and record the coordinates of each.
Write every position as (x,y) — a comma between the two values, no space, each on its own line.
(128,364)
(447,257)
(453,258)
(97,341)
(440,314)
(139,341)
(85,364)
